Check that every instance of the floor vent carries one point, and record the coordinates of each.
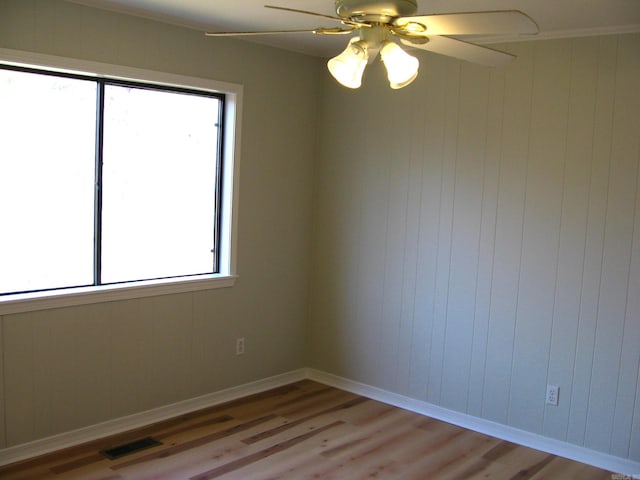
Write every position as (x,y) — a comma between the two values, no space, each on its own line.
(129,448)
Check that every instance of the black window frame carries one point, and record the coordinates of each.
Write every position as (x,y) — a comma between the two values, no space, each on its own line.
(101,82)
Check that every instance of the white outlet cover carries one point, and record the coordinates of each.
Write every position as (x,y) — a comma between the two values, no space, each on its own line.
(553,391)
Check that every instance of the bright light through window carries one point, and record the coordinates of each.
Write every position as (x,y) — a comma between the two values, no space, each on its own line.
(159,179)
(104,181)
(47,130)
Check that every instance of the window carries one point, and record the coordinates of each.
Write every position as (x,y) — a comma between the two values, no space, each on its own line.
(105,181)
(160,184)
(47,130)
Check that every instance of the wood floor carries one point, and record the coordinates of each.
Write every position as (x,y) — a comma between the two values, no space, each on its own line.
(305,431)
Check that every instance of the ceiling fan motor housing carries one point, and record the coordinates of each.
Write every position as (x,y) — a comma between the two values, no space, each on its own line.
(375,11)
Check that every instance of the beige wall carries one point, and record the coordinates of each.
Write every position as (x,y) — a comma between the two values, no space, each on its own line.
(475,237)
(78,366)
(478,237)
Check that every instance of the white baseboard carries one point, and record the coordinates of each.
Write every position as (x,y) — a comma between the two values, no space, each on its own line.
(504,432)
(131,422)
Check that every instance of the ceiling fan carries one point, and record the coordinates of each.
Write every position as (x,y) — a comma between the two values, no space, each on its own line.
(377,22)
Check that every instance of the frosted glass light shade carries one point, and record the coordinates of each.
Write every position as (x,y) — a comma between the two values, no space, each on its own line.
(402,68)
(348,67)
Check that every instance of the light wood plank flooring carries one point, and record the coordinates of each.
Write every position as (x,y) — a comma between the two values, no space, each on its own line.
(305,431)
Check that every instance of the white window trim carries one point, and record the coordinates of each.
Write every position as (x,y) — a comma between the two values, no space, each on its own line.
(26,302)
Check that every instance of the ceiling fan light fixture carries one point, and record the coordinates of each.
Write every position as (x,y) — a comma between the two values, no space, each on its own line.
(348,67)
(402,68)
(376,21)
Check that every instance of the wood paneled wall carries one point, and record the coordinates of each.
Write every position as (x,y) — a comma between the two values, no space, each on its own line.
(78,366)
(478,237)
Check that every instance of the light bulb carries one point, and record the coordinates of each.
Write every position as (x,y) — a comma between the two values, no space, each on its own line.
(348,67)
(402,68)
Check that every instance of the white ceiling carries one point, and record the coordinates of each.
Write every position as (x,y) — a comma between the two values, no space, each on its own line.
(556,18)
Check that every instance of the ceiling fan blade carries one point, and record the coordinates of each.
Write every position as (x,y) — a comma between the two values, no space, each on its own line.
(470,52)
(306,12)
(317,31)
(471,23)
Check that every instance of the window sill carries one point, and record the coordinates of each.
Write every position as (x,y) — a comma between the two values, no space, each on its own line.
(28,302)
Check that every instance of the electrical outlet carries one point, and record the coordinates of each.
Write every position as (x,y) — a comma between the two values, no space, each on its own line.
(240,346)
(553,392)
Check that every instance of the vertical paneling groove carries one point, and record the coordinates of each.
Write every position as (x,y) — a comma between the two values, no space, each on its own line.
(596,214)
(617,253)
(130,345)
(629,147)
(405,367)
(508,236)
(558,292)
(484,281)
(414,173)
(599,436)
(445,232)
(573,232)
(629,359)
(52,361)
(541,231)
(519,230)
(93,355)
(192,389)
(372,256)
(634,313)
(19,382)
(431,138)
(465,236)
(394,252)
